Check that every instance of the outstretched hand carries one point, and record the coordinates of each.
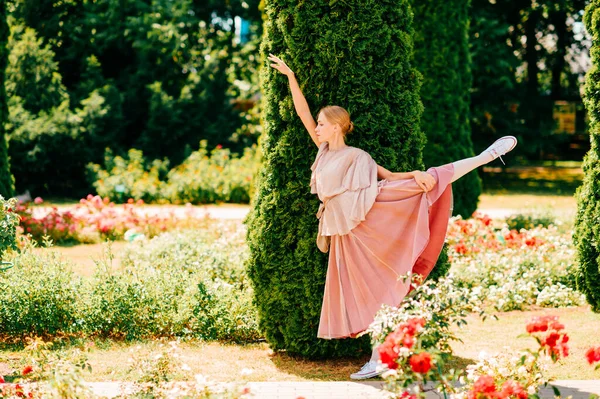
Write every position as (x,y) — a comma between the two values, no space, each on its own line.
(424,180)
(281,66)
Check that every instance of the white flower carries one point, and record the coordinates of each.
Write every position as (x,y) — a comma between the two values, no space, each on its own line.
(389,373)
(246,371)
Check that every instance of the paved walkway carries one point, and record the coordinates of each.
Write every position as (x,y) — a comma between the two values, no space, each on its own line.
(581,389)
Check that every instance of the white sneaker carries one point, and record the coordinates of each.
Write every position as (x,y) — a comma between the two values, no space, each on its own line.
(501,147)
(369,370)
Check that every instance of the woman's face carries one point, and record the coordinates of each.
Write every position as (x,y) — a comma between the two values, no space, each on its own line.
(326,131)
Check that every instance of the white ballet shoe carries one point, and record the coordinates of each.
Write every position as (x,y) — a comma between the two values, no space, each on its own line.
(501,146)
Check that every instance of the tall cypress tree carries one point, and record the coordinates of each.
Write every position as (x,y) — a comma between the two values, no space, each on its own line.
(587,228)
(7,182)
(357,54)
(442,57)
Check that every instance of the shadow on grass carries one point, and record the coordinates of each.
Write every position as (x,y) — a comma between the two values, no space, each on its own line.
(318,370)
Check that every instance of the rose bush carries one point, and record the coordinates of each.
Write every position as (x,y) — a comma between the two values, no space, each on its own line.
(97,219)
(511,269)
(410,363)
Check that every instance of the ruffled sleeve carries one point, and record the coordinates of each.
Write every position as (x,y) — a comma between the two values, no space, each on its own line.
(351,200)
(360,182)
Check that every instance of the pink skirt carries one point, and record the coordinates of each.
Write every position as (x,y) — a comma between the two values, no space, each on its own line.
(403,232)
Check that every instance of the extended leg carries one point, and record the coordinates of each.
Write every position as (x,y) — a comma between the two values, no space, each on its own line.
(499,148)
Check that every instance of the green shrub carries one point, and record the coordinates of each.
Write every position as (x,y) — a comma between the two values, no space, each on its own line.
(442,56)
(202,178)
(356,54)
(587,226)
(40,295)
(188,283)
(139,304)
(206,178)
(9,221)
(129,178)
(529,221)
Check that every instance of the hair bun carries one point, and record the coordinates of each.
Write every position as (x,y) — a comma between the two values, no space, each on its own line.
(350,127)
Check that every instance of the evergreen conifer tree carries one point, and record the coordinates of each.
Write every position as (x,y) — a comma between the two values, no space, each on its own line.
(587,228)
(6,179)
(442,57)
(356,54)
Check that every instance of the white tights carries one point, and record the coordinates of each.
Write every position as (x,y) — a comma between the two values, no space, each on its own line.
(466,165)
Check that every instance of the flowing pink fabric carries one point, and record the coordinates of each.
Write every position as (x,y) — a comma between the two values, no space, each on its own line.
(403,232)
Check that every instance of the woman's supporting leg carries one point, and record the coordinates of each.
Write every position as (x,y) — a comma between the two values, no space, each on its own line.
(375,354)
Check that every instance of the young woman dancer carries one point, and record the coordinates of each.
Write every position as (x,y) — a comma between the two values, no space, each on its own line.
(375,231)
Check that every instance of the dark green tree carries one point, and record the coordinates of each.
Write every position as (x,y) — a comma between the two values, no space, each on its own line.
(494,96)
(442,56)
(520,51)
(587,228)
(356,54)
(163,72)
(6,178)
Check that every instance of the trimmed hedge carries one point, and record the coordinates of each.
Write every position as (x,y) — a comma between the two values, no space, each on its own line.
(7,182)
(587,222)
(356,54)
(442,56)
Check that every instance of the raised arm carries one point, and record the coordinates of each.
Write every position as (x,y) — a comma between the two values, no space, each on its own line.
(300,103)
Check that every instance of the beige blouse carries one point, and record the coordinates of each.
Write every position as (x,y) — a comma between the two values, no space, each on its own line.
(345,181)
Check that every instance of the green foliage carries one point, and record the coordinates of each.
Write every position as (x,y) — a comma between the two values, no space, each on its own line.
(218,176)
(7,182)
(189,284)
(39,296)
(522,54)
(442,56)
(146,75)
(169,64)
(587,222)
(129,178)
(34,76)
(528,221)
(355,54)
(9,221)
(494,64)
(50,143)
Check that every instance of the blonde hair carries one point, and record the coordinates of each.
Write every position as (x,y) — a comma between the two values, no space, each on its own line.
(339,115)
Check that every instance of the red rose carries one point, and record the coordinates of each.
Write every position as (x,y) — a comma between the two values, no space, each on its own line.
(593,355)
(484,384)
(27,370)
(551,339)
(420,363)
(512,388)
(2,379)
(388,355)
